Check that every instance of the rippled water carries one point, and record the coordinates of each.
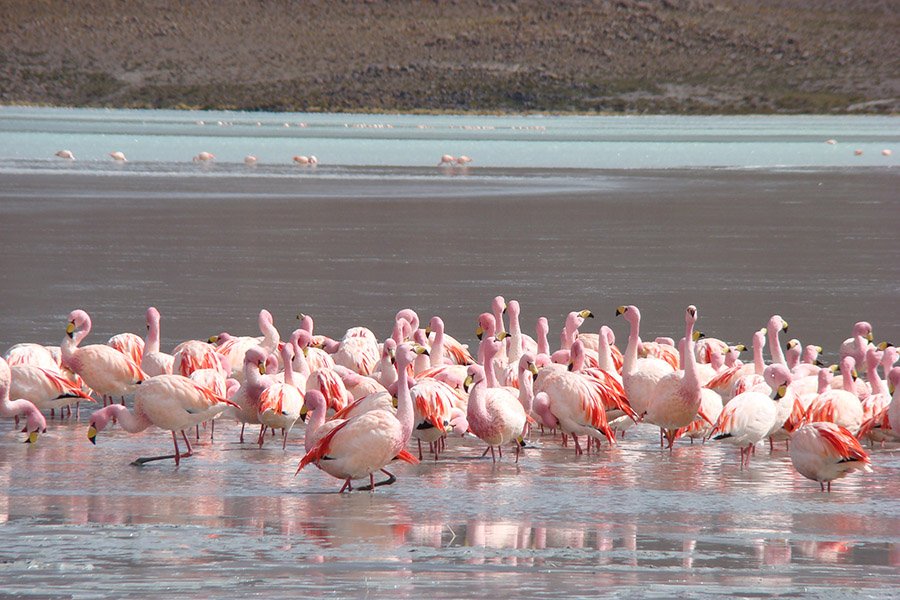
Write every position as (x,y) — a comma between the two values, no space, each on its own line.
(351,243)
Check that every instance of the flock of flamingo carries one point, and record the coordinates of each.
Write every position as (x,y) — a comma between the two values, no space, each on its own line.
(447,160)
(362,401)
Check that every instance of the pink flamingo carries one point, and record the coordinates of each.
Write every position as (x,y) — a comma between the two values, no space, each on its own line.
(494,414)
(639,376)
(66,154)
(236,347)
(105,370)
(118,156)
(32,354)
(255,381)
(676,399)
(170,402)
(279,404)
(35,424)
(839,406)
(154,362)
(204,157)
(857,345)
(447,160)
(775,325)
(748,418)
(824,452)
(46,389)
(362,445)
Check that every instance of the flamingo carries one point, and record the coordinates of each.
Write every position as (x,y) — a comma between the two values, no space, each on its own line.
(775,325)
(362,445)
(236,347)
(204,157)
(154,362)
(839,406)
(576,400)
(46,389)
(255,381)
(639,376)
(676,399)
(301,160)
(35,424)
(749,418)
(824,452)
(118,156)
(447,160)
(250,160)
(433,403)
(494,414)
(66,154)
(105,370)
(171,402)
(858,343)
(462,160)
(279,404)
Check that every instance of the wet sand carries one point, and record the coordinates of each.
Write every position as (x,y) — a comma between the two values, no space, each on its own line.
(77,520)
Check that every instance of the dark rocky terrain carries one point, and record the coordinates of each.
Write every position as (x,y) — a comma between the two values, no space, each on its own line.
(659,56)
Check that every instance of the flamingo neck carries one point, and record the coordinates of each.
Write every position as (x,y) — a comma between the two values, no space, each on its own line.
(404,402)
(792,357)
(759,364)
(526,390)
(717,360)
(604,354)
(775,348)
(271,337)
(543,344)
(691,381)
(437,347)
(629,360)
(316,420)
(849,384)
(132,422)
(489,375)
(476,411)
(823,382)
(151,344)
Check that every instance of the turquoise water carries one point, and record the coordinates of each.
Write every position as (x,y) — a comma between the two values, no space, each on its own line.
(156,140)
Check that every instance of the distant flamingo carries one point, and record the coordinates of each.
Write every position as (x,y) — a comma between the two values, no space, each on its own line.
(170,402)
(204,157)
(35,424)
(447,160)
(118,156)
(105,370)
(301,159)
(824,452)
(66,154)
(362,445)
(462,160)
(250,160)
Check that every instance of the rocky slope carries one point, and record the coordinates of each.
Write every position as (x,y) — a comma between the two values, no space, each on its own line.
(661,56)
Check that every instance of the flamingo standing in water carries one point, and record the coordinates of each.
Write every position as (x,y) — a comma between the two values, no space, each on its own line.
(857,345)
(447,160)
(118,156)
(204,157)
(66,154)
(35,424)
(676,399)
(280,404)
(362,445)
(494,414)
(171,402)
(824,452)
(640,376)
(105,370)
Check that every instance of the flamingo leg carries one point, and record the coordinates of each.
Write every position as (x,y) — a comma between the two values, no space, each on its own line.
(517,453)
(500,451)
(284,440)
(829,487)
(493,458)
(483,454)
(177,451)
(242,432)
(212,430)
(197,428)
(420,449)
(262,435)
(374,484)
(190,451)
(346,486)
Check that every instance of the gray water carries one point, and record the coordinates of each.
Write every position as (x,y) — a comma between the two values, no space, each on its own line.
(351,245)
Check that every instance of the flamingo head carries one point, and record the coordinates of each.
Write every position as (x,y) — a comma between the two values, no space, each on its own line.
(487,325)
(778,377)
(543,327)
(863,329)
(474,376)
(513,309)
(389,350)
(312,401)
(255,359)
(78,321)
(498,305)
(265,318)
(152,316)
(630,313)
(99,420)
(287,353)
(436,324)
(776,324)
(526,363)
(690,315)
(576,356)
(408,315)
(893,380)
(406,354)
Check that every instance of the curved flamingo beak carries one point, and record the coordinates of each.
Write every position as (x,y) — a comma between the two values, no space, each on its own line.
(92,434)
(70,329)
(620,311)
(479,332)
